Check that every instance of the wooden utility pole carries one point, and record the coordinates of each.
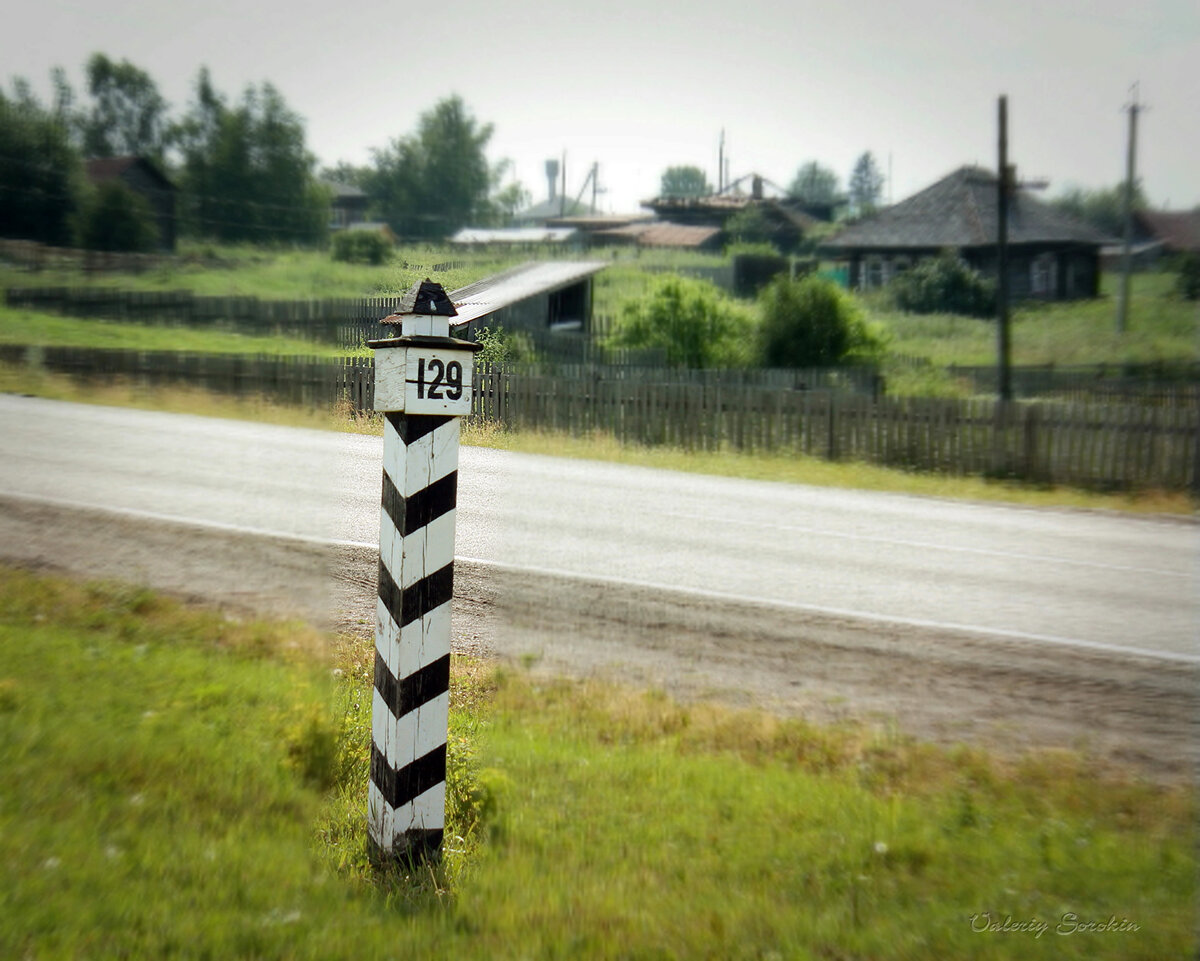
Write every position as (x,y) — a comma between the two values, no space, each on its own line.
(1130,179)
(1003,192)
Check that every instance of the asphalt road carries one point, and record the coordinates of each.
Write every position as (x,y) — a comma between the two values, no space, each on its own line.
(1090,579)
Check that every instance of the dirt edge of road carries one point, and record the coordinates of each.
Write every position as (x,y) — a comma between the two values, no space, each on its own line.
(1010,696)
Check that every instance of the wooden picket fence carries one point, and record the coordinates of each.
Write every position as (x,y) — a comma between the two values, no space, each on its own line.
(1106,446)
(1095,445)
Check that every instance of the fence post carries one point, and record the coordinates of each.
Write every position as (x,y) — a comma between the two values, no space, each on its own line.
(423,387)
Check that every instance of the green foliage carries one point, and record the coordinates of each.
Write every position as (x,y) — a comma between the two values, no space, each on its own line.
(40,172)
(812,322)
(683,182)
(1104,209)
(128,115)
(1188,281)
(815,184)
(116,218)
(360,247)
(246,173)
(432,183)
(691,321)
(502,346)
(866,185)
(944,284)
(750,226)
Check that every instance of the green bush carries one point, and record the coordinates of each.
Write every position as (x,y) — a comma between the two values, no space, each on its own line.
(361,247)
(115,218)
(502,346)
(944,285)
(812,322)
(1188,282)
(691,321)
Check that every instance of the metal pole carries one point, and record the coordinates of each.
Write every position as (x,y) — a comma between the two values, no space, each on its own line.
(1003,190)
(1127,251)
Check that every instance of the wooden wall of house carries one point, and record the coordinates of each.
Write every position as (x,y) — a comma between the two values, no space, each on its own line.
(1034,273)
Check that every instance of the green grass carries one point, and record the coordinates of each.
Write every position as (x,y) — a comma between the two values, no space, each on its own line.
(180,785)
(33,328)
(1162,327)
(279,274)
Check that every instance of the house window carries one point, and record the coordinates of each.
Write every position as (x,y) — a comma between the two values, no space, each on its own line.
(874,275)
(899,266)
(1043,280)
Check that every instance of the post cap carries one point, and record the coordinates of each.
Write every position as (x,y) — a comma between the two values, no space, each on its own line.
(426,298)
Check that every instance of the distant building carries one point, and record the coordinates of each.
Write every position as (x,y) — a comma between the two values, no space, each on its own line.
(1051,255)
(538,298)
(347,204)
(144,178)
(785,219)
(658,233)
(1178,231)
(514,236)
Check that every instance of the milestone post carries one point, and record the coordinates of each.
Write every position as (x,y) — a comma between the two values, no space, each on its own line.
(423,387)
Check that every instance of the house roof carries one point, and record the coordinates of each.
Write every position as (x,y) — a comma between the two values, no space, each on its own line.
(549,209)
(100,169)
(661,234)
(343,191)
(960,210)
(513,235)
(1177,230)
(528,280)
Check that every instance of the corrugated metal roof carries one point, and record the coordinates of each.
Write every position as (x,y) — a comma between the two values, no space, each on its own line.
(513,235)
(539,277)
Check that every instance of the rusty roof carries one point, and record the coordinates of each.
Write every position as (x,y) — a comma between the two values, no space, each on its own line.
(520,283)
(662,234)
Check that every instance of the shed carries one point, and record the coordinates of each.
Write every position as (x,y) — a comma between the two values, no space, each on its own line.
(347,204)
(1051,255)
(144,178)
(538,298)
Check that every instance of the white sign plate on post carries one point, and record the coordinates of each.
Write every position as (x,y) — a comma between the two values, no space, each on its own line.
(423,380)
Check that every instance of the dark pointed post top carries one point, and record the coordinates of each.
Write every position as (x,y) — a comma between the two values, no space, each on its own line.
(424,297)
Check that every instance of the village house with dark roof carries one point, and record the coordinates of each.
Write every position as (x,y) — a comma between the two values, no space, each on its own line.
(1051,255)
(145,179)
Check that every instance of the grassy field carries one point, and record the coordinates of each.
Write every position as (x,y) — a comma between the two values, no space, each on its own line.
(1161,327)
(281,274)
(178,784)
(41,329)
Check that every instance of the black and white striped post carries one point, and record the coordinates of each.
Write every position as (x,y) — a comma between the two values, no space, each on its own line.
(423,386)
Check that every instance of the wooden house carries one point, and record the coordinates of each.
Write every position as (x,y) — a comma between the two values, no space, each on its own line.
(1051,255)
(145,179)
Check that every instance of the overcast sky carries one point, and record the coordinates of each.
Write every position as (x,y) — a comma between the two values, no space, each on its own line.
(640,86)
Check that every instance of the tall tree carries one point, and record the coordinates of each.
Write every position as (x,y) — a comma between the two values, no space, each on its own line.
(246,174)
(430,184)
(1104,209)
(684,181)
(41,175)
(815,184)
(128,116)
(866,185)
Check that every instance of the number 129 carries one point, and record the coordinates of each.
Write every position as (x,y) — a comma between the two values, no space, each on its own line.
(447,377)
